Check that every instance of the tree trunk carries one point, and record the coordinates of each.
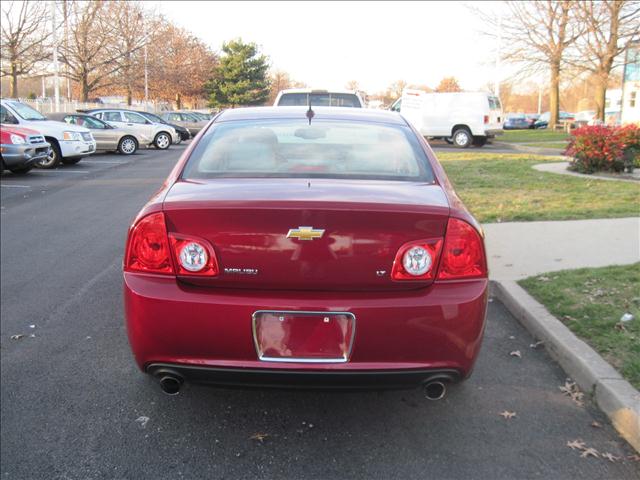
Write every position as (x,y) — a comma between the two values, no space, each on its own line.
(13,93)
(84,83)
(600,98)
(178,102)
(129,95)
(554,95)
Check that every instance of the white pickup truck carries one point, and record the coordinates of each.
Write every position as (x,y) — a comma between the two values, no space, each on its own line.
(461,118)
(69,143)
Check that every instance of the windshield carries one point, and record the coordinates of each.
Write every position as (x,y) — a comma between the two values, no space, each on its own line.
(87,122)
(319,100)
(288,148)
(153,117)
(26,112)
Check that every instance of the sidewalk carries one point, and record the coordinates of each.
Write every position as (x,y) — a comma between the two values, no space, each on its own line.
(523,249)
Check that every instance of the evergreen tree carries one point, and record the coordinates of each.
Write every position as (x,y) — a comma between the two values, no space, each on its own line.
(241,76)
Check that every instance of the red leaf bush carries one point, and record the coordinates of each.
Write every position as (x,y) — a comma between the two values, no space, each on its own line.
(601,148)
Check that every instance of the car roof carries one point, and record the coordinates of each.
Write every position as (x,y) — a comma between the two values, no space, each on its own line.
(315,90)
(321,113)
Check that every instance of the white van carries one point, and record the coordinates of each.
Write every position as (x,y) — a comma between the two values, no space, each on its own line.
(461,118)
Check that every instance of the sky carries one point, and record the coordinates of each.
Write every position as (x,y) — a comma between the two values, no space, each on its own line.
(327,44)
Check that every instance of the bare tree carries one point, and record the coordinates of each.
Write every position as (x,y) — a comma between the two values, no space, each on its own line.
(352,85)
(537,34)
(94,55)
(396,88)
(131,39)
(610,27)
(25,32)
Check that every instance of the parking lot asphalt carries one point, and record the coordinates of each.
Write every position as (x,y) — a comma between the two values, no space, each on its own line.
(74,406)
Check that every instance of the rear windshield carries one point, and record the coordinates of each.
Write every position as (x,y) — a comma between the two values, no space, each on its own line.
(494,103)
(320,100)
(287,148)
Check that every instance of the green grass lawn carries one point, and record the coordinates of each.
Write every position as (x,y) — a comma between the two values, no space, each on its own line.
(590,301)
(504,187)
(531,136)
(557,145)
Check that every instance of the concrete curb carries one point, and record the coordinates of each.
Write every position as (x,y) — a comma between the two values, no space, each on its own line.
(555,152)
(613,395)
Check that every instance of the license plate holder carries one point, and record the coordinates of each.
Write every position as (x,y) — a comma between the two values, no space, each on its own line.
(307,337)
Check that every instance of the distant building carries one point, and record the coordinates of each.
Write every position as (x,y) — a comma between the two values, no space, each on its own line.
(631,86)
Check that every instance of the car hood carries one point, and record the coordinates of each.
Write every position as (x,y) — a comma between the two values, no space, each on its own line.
(53,127)
(10,128)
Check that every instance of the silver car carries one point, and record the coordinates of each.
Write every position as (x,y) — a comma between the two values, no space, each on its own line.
(150,133)
(107,137)
(187,120)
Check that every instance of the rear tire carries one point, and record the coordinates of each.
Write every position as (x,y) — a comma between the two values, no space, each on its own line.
(53,159)
(127,145)
(21,171)
(462,137)
(479,141)
(162,141)
(71,160)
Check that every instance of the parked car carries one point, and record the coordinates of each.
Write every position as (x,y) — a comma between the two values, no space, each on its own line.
(202,116)
(543,120)
(160,135)
(183,133)
(461,118)
(319,98)
(108,137)
(186,120)
(289,252)
(69,143)
(516,122)
(21,148)
(531,119)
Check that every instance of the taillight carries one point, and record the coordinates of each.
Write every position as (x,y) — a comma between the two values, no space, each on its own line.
(194,256)
(486,119)
(463,252)
(416,260)
(148,246)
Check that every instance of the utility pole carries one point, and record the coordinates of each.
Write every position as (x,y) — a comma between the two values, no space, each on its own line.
(56,73)
(65,12)
(496,89)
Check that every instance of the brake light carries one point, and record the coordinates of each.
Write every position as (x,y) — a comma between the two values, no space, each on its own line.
(148,246)
(463,252)
(486,119)
(417,260)
(194,256)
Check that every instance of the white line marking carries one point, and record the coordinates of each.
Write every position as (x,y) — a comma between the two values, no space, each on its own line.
(97,162)
(61,171)
(15,186)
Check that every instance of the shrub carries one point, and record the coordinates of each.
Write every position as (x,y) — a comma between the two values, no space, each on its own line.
(602,148)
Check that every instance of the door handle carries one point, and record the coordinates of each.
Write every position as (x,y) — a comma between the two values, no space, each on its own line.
(130,124)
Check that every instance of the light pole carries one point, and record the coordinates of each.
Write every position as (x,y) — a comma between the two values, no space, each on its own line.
(56,77)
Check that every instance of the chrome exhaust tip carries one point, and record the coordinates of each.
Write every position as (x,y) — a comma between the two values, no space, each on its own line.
(435,390)
(170,384)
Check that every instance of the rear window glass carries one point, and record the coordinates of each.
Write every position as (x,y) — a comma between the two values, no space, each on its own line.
(287,148)
(319,100)
(494,103)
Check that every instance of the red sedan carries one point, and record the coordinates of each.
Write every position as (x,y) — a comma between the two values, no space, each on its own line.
(302,248)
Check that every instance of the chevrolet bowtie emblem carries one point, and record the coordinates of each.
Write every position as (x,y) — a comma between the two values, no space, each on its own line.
(305,233)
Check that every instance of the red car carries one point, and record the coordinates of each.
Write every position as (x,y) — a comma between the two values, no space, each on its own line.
(306,248)
(21,148)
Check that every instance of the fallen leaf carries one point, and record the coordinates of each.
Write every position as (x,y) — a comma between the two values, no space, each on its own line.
(571,389)
(506,414)
(620,326)
(142,420)
(610,457)
(589,452)
(259,436)
(516,353)
(536,345)
(32,326)
(17,337)
(634,458)
(595,424)
(576,445)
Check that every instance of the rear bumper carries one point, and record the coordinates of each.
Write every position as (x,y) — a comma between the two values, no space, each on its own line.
(302,379)
(23,155)
(492,132)
(410,334)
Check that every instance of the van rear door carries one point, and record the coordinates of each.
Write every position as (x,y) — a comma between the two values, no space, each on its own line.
(412,107)
(495,120)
